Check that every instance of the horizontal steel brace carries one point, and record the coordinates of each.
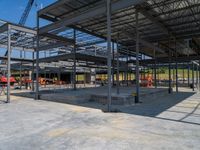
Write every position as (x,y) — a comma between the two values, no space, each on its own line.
(89,14)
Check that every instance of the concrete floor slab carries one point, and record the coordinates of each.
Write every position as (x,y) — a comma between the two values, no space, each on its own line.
(99,94)
(161,123)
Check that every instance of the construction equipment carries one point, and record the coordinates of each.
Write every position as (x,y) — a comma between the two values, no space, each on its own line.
(3,80)
(146,81)
(26,13)
(45,81)
(3,84)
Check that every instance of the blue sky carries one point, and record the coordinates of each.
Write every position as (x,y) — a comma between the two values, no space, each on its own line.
(11,10)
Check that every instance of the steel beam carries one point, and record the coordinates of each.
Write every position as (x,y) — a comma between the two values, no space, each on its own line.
(163,60)
(59,38)
(16,48)
(16,59)
(51,46)
(156,21)
(145,43)
(52,6)
(23,29)
(97,11)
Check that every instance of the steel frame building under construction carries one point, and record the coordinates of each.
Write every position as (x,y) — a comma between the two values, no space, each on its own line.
(112,35)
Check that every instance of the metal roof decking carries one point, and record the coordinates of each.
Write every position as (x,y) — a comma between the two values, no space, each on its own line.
(159,21)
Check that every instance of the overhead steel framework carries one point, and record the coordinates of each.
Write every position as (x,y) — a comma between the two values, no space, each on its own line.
(167,31)
(9,41)
(15,37)
(113,35)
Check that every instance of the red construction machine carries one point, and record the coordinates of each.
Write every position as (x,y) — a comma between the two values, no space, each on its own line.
(3,80)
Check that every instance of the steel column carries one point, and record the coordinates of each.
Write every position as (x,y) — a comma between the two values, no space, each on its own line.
(59,75)
(176,68)
(199,75)
(71,77)
(155,75)
(188,72)
(113,65)
(117,68)
(95,70)
(45,74)
(170,86)
(183,74)
(37,60)
(158,75)
(144,68)
(20,71)
(33,71)
(137,62)
(109,52)
(192,76)
(176,76)
(74,60)
(84,78)
(8,64)
(173,75)
(24,71)
(126,75)
(196,76)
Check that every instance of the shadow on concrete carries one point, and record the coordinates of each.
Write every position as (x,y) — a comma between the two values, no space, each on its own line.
(3,102)
(153,106)
(158,107)
(167,108)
